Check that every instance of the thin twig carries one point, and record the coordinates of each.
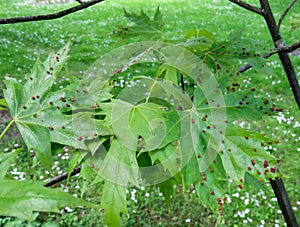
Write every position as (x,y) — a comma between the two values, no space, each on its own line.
(285,12)
(81,2)
(247,6)
(62,177)
(50,16)
(283,49)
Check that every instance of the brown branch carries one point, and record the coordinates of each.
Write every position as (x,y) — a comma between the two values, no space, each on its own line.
(283,49)
(51,16)
(285,12)
(62,177)
(247,6)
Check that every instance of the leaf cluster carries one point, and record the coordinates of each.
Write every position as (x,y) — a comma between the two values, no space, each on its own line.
(175,124)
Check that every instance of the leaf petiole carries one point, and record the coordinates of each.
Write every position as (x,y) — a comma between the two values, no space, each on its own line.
(6,129)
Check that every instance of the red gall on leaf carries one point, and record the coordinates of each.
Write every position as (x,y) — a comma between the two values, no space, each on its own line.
(266,171)
(212,192)
(253,89)
(30,78)
(201,183)
(79,138)
(249,168)
(254,149)
(253,162)
(266,163)
(24,107)
(63,127)
(211,170)
(51,128)
(273,170)
(241,180)
(240,186)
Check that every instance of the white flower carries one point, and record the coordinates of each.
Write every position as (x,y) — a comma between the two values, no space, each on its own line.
(188,220)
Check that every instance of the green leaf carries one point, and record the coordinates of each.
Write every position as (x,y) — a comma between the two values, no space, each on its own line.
(44,74)
(144,28)
(243,153)
(169,72)
(5,161)
(21,198)
(167,189)
(169,157)
(75,161)
(120,165)
(37,137)
(3,104)
(24,103)
(113,201)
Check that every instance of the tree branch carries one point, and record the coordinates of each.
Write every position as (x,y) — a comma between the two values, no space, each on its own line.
(51,16)
(62,177)
(285,12)
(79,1)
(247,6)
(283,49)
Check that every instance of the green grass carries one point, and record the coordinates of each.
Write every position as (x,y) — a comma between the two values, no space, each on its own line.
(22,44)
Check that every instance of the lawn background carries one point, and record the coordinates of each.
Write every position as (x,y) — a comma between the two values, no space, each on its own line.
(21,44)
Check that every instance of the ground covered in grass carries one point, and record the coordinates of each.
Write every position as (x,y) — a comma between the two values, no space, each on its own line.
(90,29)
